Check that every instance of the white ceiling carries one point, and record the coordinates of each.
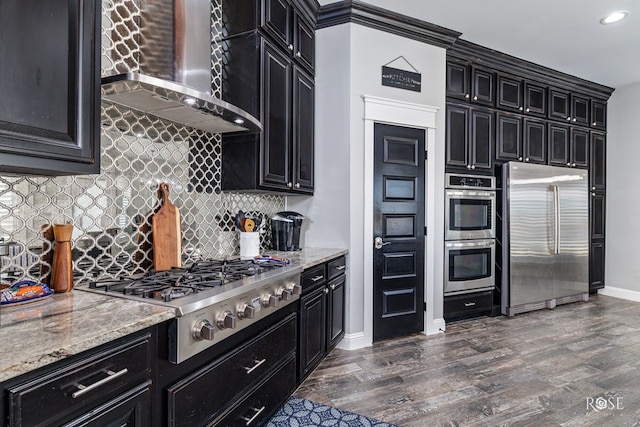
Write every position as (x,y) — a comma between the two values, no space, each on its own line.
(564,35)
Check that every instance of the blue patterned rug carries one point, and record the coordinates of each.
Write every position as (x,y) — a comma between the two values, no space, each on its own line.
(298,412)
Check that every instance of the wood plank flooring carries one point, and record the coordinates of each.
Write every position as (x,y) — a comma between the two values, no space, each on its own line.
(575,365)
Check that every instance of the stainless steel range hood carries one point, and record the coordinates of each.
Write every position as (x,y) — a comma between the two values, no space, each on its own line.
(174,62)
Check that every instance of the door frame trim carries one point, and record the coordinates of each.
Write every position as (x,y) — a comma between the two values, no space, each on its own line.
(393,112)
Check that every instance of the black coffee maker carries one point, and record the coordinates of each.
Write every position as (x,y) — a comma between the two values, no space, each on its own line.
(285,231)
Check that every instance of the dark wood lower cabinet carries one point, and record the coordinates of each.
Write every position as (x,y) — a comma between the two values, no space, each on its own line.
(464,306)
(322,311)
(596,266)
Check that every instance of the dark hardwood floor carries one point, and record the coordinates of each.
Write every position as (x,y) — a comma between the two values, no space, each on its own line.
(575,365)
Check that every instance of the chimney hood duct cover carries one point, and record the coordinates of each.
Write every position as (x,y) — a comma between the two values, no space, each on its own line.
(174,82)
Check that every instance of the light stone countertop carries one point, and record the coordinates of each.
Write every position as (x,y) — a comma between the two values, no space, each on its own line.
(37,334)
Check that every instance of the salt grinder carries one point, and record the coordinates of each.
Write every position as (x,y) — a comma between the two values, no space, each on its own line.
(62,274)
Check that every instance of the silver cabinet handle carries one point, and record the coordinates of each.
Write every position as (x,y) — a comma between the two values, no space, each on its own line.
(290,47)
(378,243)
(527,110)
(466,95)
(475,98)
(574,120)
(254,367)
(520,108)
(333,287)
(342,267)
(469,304)
(298,54)
(593,188)
(526,159)
(87,388)
(297,185)
(326,290)
(473,167)
(568,119)
(520,158)
(315,279)
(249,420)
(569,164)
(593,124)
(289,184)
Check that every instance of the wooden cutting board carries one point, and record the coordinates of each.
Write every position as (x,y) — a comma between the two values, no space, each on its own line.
(167,239)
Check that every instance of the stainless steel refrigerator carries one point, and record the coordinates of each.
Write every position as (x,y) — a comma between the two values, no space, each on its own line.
(545,241)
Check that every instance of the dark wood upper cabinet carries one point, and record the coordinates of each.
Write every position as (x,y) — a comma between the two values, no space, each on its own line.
(50,87)
(598,161)
(579,110)
(579,148)
(559,105)
(276,20)
(534,141)
(558,144)
(470,82)
(469,136)
(598,114)
(510,93)
(508,137)
(535,99)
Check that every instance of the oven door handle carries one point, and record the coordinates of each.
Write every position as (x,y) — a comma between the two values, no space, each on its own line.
(556,219)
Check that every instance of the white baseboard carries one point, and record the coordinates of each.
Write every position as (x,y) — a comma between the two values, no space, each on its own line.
(612,291)
(439,326)
(353,341)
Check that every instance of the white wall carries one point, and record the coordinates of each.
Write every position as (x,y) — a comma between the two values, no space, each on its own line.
(622,269)
(350,58)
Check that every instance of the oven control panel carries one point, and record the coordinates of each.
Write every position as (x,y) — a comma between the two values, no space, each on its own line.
(470,181)
(203,328)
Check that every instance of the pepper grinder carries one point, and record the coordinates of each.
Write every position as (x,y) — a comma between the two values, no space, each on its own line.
(62,274)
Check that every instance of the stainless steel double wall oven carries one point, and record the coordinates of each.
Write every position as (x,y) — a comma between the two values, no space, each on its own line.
(470,205)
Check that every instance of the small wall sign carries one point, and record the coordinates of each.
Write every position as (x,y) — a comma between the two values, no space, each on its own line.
(401,79)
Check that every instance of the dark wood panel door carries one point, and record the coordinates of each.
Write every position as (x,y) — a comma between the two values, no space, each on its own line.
(50,87)
(510,93)
(579,110)
(304,43)
(598,114)
(482,86)
(276,20)
(398,260)
(482,137)
(508,137)
(275,150)
(579,148)
(534,141)
(303,135)
(596,266)
(559,106)
(598,161)
(458,80)
(335,311)
(535,99)
(313,309)
(597,210)
(558,145)
(457,135)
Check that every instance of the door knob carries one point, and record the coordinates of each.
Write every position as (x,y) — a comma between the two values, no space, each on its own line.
(378,243)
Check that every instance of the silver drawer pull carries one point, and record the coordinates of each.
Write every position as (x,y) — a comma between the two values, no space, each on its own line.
(340,267)
(87,388)
(250,420)
(254,367)
(469,304)
(315,279)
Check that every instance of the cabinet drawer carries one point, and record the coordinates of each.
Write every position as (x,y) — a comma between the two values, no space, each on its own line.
(222,381)
(260,405)
(81,385)
(313,277)
(336,267)
(458,305)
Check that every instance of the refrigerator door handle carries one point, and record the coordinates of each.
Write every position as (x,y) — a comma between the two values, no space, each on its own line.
(556,214)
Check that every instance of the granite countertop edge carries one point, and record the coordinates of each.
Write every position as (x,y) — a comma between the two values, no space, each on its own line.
(38,334)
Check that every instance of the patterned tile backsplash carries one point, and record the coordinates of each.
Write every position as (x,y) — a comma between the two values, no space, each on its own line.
(107,210)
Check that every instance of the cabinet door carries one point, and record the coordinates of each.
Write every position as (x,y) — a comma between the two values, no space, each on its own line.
(275,150)
(313,333)
(558,145)
(457,135)
(304,42)
(458,80)
(597,210)
(597,161)
(303,102)
(480,150)
(335,312)
(509,93)
(50,87)
(559,105)
(534,141)
(508,137)
(482,86)
(535,99)
(579,148)
(596,266)
(598,114)
(276,20)
(579,110)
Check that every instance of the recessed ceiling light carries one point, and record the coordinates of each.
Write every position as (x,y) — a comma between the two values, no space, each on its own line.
(614,17)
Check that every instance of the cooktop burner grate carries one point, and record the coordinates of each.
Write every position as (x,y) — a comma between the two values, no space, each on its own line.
(167,285)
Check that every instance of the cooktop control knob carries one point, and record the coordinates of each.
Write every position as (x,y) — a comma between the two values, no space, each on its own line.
(203,330)
(226,320)
(283,293)
(294,288)
(269,300)
(246,311)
